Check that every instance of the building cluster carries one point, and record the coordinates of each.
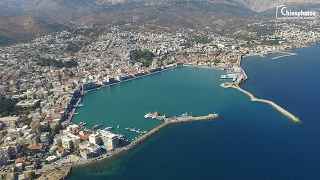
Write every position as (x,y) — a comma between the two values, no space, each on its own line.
(29,73)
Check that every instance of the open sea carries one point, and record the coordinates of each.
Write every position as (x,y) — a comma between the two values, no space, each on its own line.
(251,140)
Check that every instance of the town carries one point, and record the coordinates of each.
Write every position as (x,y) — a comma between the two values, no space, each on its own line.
(42,81)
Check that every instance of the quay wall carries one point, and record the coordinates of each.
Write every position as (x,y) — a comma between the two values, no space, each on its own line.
(134,143)
(276,106)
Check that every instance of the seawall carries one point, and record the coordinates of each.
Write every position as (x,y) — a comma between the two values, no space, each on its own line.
(134,143)
(253,98)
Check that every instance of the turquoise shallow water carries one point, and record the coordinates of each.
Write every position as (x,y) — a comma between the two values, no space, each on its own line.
(251,140)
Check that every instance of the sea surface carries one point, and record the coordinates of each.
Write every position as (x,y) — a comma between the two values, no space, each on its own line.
(251,140)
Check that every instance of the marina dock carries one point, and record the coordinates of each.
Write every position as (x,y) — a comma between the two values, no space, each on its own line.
(167,122)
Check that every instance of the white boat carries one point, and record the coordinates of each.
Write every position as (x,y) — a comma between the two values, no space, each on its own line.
(82,123)
(97,126)
(80,105)
(185,114)
(118,126)
(108,128)
(147,115)
(75,113)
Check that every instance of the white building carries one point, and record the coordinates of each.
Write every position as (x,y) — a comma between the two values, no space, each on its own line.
(51,159)
(10,120)
(89,150)
(70,141)
(95,138)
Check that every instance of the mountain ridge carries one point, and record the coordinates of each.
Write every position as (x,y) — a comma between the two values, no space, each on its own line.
(25,19)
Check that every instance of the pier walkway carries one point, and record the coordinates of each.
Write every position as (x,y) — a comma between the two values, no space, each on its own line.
(276,106)
(167,121)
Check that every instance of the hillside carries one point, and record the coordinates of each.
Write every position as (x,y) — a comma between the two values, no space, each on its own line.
(22,20)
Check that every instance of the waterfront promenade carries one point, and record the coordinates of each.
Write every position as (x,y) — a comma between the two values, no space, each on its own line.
(130,79)
(253,98)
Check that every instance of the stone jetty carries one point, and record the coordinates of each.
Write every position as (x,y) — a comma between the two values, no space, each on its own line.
(276,106)
(167,122)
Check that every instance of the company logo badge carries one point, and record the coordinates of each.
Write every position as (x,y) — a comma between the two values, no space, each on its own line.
(282,12)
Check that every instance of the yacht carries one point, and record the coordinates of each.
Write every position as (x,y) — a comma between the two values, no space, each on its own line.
(147,115)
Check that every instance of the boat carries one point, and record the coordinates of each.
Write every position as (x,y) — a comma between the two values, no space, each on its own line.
(75,113)
(82,123)
(185,114)
(120,135)
(118,126)
(147,115)
(108,128)
(97,126)
(80,105)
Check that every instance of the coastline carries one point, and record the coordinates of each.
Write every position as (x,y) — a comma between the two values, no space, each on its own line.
(130,79)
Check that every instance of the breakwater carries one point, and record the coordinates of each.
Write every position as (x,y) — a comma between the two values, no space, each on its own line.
(253,98)
(167,122)
(286,55)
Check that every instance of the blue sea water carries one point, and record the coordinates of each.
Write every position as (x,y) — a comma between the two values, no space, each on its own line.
(251,140)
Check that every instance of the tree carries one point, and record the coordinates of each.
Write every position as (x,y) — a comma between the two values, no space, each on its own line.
(31,175)
(56,128)
(40,129)
(143,57)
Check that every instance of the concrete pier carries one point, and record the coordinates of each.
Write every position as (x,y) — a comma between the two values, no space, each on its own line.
(276,106)
(134,143)
(169,121)
(286,55)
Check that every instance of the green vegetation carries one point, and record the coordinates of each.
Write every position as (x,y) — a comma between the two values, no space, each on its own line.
(57,27)
(54,26)
(73,47)
(201,39)
(27,121)
(4,40)
(270,42)
(7,107)
(59,64)
(31,175)
(27,152)
(55,129)
(143,57)
(217,61)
